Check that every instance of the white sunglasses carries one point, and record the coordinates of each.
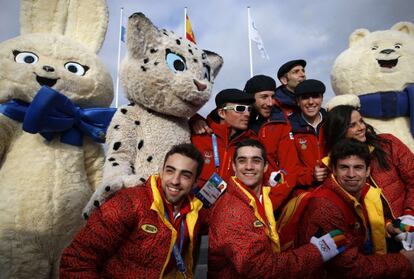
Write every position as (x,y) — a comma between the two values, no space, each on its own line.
(239,108)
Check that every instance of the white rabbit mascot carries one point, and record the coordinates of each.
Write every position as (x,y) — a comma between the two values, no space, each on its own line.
(54,94)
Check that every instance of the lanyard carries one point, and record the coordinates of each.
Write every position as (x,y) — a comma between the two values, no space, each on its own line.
(177,251)
(215,151)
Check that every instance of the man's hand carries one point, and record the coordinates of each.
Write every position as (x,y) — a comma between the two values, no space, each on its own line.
(330,244)
(200,126)
(403,229)
(320,173)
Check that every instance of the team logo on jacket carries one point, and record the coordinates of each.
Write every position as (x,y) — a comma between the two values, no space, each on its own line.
(149,228)
(302,143)
(257,224)
(207,157)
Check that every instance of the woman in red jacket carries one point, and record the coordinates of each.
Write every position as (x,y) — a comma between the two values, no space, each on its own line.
(392,167)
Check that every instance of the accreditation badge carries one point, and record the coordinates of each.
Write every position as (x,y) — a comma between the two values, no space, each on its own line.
(212,189)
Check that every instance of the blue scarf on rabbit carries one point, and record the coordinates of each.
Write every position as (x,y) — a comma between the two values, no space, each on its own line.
(52,113)
(389,104)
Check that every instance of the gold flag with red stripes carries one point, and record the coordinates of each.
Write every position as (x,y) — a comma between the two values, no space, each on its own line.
(189,31)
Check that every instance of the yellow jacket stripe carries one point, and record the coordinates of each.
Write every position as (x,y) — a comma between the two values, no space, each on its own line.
(270,228)
(375,212)
(191,220)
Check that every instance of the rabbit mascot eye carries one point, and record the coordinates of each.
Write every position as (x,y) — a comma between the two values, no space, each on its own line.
(54,94)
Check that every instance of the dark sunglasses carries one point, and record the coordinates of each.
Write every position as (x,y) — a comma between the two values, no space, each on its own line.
(239,108)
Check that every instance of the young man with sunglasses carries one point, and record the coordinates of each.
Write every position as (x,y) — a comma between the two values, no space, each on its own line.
(229,126)
(269,124)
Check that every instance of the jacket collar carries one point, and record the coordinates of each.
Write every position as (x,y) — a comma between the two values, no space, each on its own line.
(239,190)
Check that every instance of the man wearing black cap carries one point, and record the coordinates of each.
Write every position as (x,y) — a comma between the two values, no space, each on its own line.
(229,125)
(271,126)
(290,75)
(307,128)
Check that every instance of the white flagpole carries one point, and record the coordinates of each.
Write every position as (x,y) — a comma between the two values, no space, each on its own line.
(119,58)
(250,41)
(185,22)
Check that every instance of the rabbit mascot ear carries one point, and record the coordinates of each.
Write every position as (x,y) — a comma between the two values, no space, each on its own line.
(83,21)
(54,94)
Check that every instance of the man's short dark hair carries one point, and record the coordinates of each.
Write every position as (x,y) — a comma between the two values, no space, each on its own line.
(348,147)
(190,151)
(253,143)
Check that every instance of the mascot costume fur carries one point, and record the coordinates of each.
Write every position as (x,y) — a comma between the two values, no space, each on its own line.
(167,79)
(54,91)
(377,73)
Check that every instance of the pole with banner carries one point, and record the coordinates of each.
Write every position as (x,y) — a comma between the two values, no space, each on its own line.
(121,39)
(254,36)
(250,41)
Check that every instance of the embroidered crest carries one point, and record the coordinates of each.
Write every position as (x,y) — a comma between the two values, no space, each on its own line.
(257,224)
(302,143)
(149,228)
(207,157)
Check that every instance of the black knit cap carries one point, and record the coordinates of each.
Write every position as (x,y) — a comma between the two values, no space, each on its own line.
(233,95)
(288,66)
(259,83)
(310,86)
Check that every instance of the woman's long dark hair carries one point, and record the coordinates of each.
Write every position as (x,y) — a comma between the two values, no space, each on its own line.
(337,125)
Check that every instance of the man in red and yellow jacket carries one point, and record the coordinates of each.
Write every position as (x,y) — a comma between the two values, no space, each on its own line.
(243,241)
(143,232)
(345,201)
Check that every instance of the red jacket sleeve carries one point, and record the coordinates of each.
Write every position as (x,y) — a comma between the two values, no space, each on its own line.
(352,263)
(281,151)
(106,228)
(234,243)
(403,160)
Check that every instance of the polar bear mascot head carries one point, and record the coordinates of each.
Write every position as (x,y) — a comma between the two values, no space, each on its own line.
(376,72)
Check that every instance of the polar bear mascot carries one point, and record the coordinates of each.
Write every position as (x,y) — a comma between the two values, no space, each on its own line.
(54,94)
(167,79)
(377,72)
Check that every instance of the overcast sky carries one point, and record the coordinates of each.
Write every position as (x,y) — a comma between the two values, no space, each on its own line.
(316,31)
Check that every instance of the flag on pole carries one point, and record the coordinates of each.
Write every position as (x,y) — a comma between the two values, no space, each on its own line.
(188,30)
(122,33)
(123,27)
(255,37)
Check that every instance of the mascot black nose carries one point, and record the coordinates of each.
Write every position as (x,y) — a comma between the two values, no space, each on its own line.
(48,69)
(387,51)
